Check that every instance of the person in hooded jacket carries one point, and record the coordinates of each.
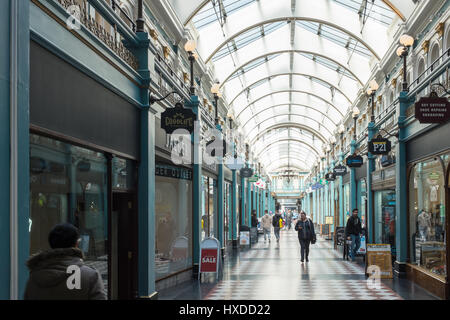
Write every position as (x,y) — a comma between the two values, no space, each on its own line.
(52,275)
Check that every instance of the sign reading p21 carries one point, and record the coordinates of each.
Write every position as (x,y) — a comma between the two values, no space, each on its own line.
(379,145)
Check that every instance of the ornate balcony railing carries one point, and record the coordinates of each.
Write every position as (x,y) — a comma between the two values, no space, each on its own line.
(113,41)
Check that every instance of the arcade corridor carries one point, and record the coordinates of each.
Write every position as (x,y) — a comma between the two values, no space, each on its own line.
(273,271)
(145,138)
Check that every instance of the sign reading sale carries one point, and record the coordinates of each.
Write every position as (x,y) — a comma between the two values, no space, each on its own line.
(209,260)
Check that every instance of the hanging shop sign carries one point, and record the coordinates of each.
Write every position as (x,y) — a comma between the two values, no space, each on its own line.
(316,186)
(246,172)
(340,170)
(178,118)
(254,178)
(432,109)
(379,145)
(354,161)
(330,176)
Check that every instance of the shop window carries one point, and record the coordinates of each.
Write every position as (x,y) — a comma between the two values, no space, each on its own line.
(427,215)
(385,203)
(173,208)
(69,184)
(209,207)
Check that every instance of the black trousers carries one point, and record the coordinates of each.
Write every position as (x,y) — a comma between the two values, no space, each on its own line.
(304,247)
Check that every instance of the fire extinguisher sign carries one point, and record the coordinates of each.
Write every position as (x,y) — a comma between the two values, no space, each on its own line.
(209,256)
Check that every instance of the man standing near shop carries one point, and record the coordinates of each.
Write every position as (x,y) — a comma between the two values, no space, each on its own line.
(266,221)
(353,231)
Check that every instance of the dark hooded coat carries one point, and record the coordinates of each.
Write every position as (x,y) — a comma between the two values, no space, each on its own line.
(49,277)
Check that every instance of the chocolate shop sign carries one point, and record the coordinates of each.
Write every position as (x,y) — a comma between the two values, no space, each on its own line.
(178,118)
(432,110)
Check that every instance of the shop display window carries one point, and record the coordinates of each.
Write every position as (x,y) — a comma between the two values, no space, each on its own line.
(173,208)
(385,203)
(209,207)
(346,203)
(69,184)
(427,215)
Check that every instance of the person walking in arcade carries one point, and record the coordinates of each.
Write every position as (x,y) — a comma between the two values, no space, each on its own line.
(306,235)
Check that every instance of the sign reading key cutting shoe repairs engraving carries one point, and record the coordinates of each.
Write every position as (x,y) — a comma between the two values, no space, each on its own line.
(432,110)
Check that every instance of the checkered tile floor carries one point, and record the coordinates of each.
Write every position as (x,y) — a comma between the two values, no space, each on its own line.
(273,271)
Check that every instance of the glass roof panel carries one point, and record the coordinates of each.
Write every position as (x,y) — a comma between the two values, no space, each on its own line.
(210,12)
(247,38)
(335,35)
(375,10)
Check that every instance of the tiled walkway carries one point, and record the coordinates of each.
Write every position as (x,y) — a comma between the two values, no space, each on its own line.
(273,271)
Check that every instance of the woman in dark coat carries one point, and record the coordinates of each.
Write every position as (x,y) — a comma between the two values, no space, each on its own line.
(306,234)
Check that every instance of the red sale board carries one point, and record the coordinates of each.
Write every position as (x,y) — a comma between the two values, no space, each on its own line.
(208,260)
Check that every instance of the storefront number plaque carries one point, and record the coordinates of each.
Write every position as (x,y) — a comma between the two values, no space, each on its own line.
(379,145)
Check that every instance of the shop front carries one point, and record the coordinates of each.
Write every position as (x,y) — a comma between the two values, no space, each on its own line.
(428,157)
(81,172)
(209,212)
(228,219)
(428,202)
(383,187)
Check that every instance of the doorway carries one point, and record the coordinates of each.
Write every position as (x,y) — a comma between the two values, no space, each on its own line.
(124,246)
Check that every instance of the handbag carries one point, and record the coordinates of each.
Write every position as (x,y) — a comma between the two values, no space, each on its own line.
(281,223)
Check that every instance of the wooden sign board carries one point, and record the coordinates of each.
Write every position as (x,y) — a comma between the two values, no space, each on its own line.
(380,255)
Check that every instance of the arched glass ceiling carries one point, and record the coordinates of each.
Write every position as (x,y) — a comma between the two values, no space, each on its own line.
(290,69)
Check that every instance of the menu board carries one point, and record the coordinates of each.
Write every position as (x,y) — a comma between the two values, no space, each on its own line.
(340,236)
(380,255)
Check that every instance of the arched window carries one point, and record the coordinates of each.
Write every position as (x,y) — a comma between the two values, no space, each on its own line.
(420,69)
(447,41)
(434,56)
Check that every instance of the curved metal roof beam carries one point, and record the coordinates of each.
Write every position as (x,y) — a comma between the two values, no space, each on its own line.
(288,74)
(269,166)
(290,51)
(285,167)
(292,104)
(188,9)
(291,114)
(318,11)
(289,125)
(285,148)
(282,64)
(316,151)
(284,91)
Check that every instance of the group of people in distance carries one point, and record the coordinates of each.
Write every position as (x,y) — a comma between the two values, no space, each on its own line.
(306,233)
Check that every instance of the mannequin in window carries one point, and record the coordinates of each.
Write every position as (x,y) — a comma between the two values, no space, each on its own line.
(424,224)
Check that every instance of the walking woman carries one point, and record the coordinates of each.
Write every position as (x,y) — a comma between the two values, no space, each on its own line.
(306,234)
